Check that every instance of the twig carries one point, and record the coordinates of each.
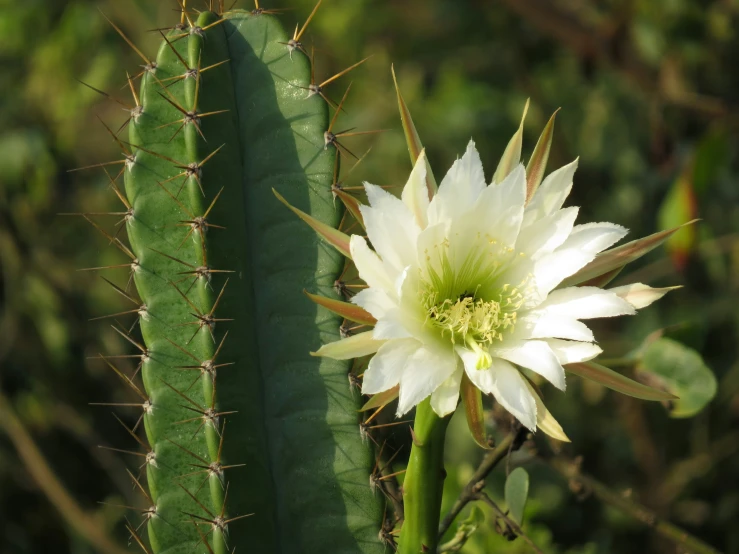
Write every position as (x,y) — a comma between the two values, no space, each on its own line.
(512,524)
(608,44)
(571,471)
(38,467)
(510,443)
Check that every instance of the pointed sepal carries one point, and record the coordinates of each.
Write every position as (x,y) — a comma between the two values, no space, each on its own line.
(615,381)
(544,418)
(381,399)
(472,402)
(512,154)
(411,136)
(351,204)
(538,163)
(334,237)
(349,311)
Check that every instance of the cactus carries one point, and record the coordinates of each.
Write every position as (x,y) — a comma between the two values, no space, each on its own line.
(251,444)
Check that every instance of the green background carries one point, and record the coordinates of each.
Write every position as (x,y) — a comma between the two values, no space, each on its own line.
(649,103)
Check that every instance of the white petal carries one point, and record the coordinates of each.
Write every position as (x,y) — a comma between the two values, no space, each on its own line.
(552,193)
(552,269)
(433,248)
(459,189)
(375,300)
(386,367)
(640,295)
(505,383)
(497,213)
(415,193)
(424,372)
(595,237)
(511,191)
(391,228)
(536,356)
(511,392)
(578,250)
(370,267)
(444,399)
(546,234)
(553,326)
(570,352)
(355,346)
(390,326)
(585,303)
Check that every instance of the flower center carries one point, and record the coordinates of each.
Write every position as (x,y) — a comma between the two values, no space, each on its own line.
(472,320)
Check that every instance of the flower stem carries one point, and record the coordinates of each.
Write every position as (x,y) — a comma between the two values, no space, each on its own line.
(423,483)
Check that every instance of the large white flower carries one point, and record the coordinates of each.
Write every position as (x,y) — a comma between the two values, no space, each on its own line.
(467,283)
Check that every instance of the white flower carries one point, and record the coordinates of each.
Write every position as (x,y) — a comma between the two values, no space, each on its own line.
(467,283)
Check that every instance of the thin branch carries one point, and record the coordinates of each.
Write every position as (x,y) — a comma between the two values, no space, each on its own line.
(571,470)
(35,463)
(512,524)
(511,442)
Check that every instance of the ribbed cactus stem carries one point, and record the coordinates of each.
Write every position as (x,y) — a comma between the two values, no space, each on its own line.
(424,482)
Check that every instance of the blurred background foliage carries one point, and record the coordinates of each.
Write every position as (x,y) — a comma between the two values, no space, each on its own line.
(648,92)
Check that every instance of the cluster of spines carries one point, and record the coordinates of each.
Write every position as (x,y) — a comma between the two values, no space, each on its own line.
(209,418)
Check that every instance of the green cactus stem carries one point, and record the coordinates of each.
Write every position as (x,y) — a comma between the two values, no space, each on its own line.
(252,443)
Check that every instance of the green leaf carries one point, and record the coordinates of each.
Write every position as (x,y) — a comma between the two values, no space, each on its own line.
(682,371)
(615,381)
(517,493)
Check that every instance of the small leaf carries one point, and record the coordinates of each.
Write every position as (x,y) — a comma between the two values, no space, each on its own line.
(476,517)
(334,237)
(538,163)
(615,381)
(682,371)
(512,154)
(517,493)
(346,310)
(411,136)
(472,401)
(381,399)
(620,256)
